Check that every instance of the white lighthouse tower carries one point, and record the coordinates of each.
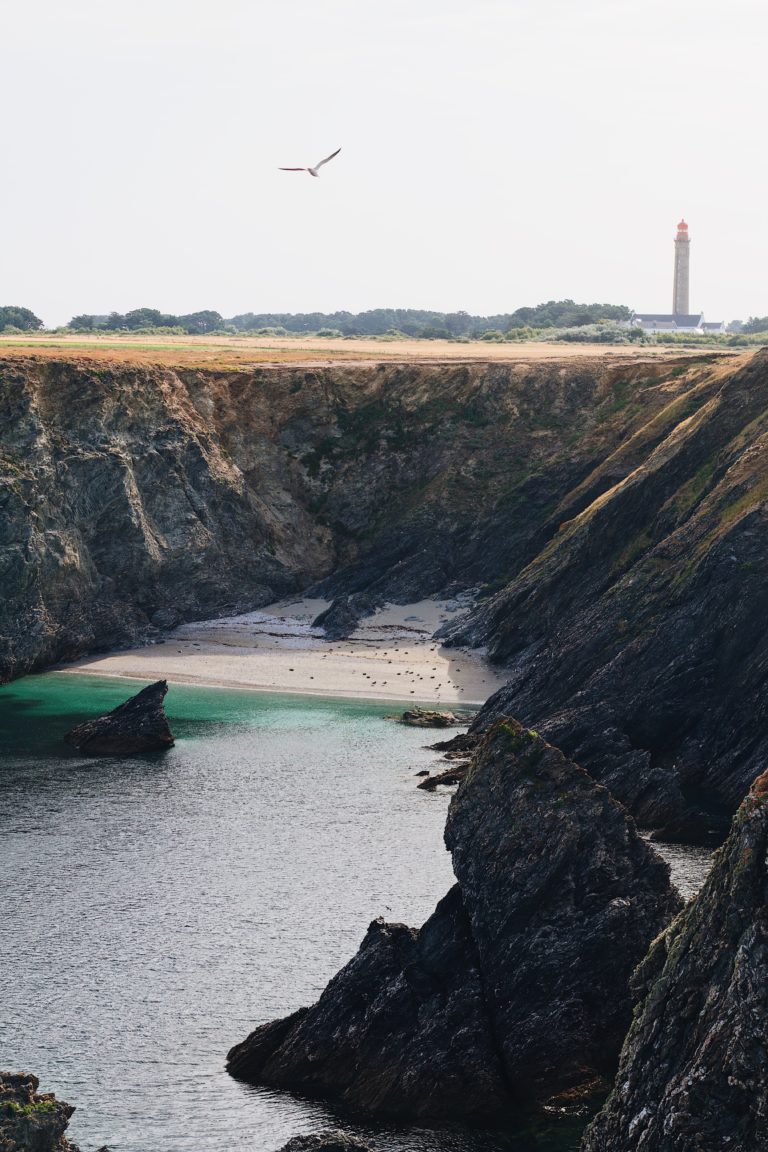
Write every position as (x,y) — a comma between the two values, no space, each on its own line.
(682,270)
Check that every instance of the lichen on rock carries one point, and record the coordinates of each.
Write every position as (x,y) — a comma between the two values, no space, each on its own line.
(32,1121)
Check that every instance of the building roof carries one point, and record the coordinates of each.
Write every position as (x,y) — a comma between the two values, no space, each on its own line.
(681,320)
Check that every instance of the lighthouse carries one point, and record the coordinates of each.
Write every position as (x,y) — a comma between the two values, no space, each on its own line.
(682,270)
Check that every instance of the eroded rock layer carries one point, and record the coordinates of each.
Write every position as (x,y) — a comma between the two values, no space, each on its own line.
(516,988)
(694,1069)
(632,639)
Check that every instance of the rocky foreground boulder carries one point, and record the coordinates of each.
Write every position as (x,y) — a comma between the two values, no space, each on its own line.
(325,1142)
(32,1121)
(694,1069)
(139,725)
(516,988)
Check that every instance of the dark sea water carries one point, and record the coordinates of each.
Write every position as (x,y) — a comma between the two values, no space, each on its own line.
(155,910)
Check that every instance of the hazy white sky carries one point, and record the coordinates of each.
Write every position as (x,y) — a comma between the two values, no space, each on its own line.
(495,153)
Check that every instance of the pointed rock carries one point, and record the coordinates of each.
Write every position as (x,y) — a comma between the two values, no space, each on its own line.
(563,898)
(694,1069)
(139,725)
(516,987)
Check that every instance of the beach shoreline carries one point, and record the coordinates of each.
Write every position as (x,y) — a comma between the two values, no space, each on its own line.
(393,657)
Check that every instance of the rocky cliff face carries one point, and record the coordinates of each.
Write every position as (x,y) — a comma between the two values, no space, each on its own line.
(631,638)
(132,495)
(694,1070)
(516,988)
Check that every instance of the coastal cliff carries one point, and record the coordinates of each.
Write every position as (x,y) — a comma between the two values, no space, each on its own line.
(694,1068)
(632,639)
(609,514)
(136,496)
(515,990)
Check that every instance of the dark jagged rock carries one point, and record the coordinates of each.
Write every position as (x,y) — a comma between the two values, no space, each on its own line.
(344,615)
(401,1030)
(139,725)
(31,1121)
(694,1070)
(563,896)
(630,639)
(326,1142)
(516,988)
(448,776)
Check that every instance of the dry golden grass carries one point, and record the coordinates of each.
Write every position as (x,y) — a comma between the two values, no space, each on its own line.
(224,352)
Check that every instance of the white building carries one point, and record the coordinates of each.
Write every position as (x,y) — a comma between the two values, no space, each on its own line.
(681,320)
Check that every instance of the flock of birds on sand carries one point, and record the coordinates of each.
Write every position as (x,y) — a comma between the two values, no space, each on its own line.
(408,672)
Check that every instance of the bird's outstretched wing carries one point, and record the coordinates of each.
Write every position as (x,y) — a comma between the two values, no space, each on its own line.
(292,169)
(327,159)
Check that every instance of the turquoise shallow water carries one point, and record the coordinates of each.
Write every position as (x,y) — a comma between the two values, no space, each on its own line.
(156,909)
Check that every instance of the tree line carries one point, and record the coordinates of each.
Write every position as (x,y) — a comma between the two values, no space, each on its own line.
(412,322)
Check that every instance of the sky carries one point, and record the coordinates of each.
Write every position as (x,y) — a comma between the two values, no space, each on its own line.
(495,153)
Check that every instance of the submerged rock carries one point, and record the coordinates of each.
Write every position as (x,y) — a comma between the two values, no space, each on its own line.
(448,776)
(325,1142)
(694,1069)
(516,987)
(32,1121)
(138,725)
(431,718)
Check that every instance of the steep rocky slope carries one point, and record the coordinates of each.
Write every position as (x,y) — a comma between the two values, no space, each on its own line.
(516,988)
(694,1069)
(634,639)
(139,494)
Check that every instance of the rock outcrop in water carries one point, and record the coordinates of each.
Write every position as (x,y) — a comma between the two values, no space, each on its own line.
(139,725)
(694,1069)
(326,1142)
(516,988)
(32,1121)
(135,497)
(630,638)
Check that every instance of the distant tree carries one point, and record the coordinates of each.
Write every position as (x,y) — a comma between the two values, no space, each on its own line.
(199,322)
(146,318)
(12,316)
(755,324)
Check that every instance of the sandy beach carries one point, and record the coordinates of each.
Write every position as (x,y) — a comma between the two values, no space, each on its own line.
(392,656)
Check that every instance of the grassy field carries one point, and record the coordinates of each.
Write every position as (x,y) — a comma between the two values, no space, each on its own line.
(244,352)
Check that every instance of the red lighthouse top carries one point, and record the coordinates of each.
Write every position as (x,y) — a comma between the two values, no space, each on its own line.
(682,226)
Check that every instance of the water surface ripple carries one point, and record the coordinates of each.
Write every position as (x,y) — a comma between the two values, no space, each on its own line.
(155,910)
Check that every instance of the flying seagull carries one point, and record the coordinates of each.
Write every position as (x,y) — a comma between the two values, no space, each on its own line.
(313,171)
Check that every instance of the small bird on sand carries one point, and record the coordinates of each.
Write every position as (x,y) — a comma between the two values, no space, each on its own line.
(313,171)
